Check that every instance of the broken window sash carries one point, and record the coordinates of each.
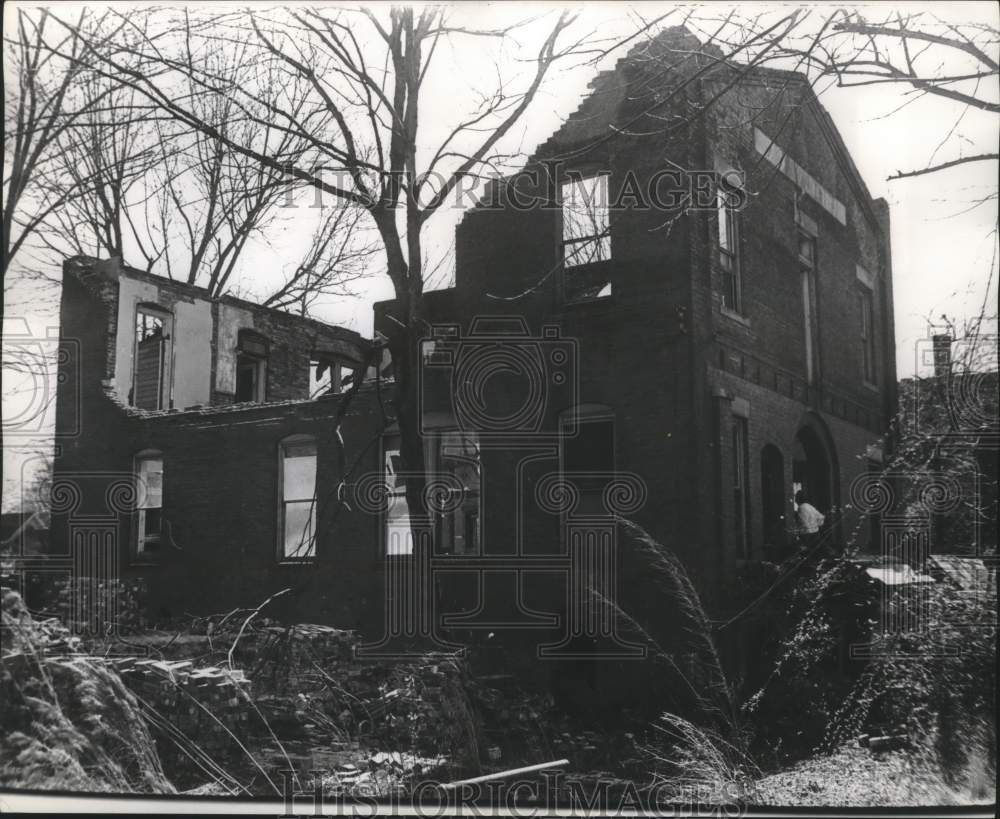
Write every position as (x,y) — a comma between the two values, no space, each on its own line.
(586,284)
(250,378)
(330,376)
(151,354)
(586,221)
(298,498)
(149,502)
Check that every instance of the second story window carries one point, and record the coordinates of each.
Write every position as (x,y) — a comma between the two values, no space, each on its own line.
(330,376)
(727,211)
(807,268)
(586,238)
(151,358)
(586,225)
(866,307)
(251,367)
(149,502)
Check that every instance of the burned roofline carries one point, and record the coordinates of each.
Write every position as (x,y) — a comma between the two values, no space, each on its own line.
(224,412)
(758,75)
(78,264)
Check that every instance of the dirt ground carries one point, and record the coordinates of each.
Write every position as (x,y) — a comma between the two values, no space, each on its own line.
(858,777)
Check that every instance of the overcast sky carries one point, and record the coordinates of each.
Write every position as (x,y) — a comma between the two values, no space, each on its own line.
(943,247)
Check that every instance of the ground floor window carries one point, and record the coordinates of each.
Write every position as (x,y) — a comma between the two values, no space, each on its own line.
(741,489)
(149,502)
(298,498)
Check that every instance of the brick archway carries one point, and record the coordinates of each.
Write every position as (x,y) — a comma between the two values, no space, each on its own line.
(814,464)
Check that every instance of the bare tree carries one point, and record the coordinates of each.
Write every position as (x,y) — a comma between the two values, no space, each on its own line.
(337,257)
(42,60)
(104,171)
(361,73)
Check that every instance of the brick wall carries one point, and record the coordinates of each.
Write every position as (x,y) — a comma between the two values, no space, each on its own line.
(660,348)
(221,467)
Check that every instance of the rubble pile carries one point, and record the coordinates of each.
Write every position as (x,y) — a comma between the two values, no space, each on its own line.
(207,705)
(524,726)
(313,686)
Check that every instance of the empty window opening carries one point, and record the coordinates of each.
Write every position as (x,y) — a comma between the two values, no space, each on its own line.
(251,368)
(586,238)
(152,352)
(298,498)
(330,376)
(149,503)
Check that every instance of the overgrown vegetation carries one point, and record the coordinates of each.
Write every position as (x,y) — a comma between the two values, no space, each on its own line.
(68,724)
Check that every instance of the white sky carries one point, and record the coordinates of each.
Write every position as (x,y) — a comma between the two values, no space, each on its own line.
(943,251)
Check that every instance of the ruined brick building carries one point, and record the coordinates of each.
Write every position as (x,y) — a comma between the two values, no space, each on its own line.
(717,338)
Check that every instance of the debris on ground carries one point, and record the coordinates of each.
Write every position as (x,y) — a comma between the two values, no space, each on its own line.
(856,777)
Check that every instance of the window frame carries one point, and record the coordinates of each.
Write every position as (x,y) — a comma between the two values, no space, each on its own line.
(139,537)
(298,439)
(740,441)
(433,445)
(341,371)
(603,236)
(729,239)
(166,353)
(255,358)
(869,355)
(807,275)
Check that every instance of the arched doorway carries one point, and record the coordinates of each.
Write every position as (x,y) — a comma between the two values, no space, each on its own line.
(814,468)
(772,484)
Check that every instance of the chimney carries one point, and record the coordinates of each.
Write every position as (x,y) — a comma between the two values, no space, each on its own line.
(942,355)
